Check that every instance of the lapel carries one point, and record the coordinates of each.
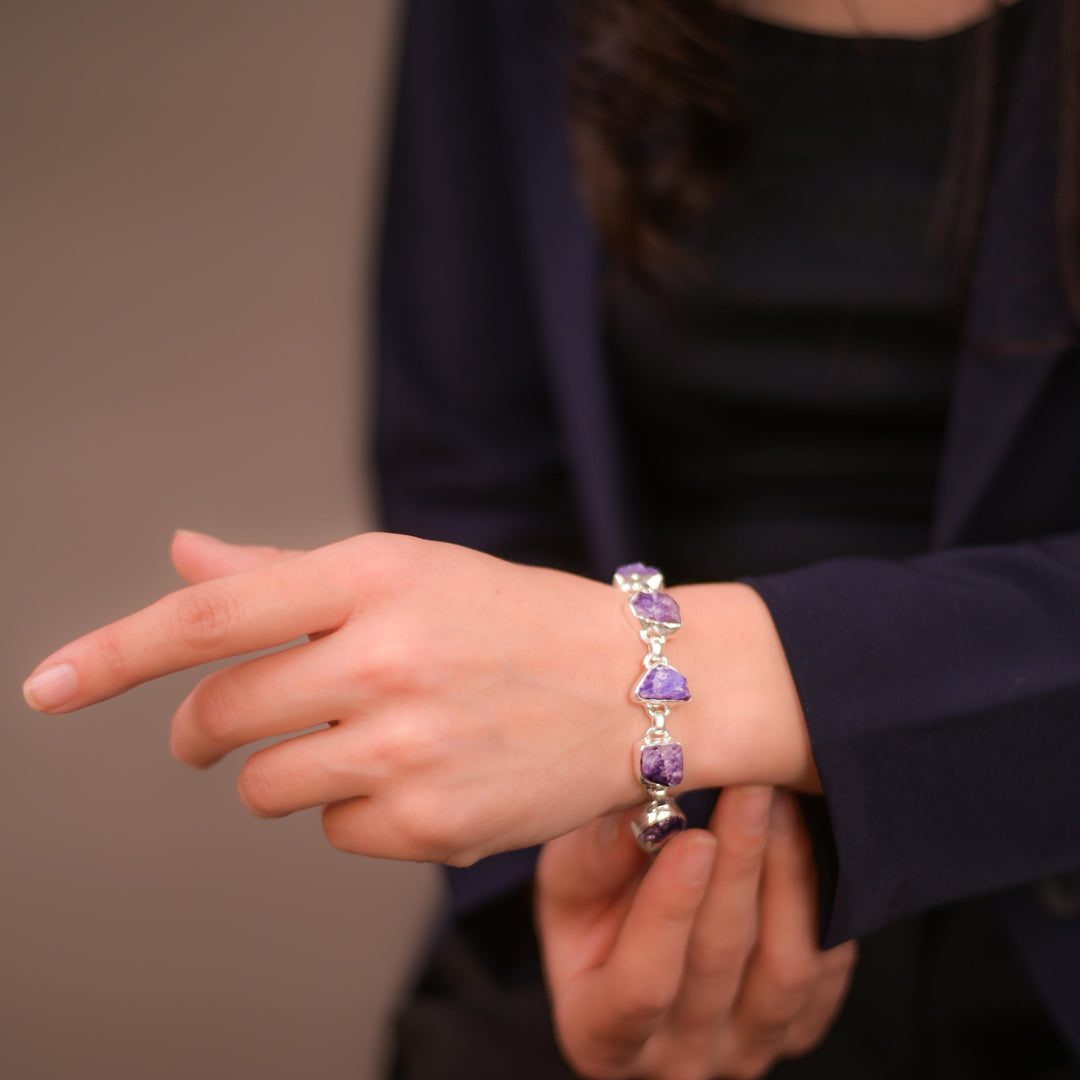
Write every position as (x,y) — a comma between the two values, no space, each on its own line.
(1018,321)
(562,264)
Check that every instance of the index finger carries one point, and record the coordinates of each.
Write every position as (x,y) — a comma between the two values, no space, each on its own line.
(256,609)
(725,931)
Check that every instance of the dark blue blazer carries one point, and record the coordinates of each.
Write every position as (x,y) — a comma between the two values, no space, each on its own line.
(942,692)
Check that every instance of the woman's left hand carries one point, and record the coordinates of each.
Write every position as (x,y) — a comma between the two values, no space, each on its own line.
(475,705)
(703,963)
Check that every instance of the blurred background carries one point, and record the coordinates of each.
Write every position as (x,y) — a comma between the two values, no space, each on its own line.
(188,196)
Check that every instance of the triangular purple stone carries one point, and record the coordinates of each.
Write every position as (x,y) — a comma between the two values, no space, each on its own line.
(663,683)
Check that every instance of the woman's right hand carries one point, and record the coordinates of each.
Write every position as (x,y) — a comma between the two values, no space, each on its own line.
(708,965)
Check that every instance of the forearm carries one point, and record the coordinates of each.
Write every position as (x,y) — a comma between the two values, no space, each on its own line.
(744,723)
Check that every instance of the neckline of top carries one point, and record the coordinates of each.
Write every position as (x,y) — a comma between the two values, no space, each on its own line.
(796,38)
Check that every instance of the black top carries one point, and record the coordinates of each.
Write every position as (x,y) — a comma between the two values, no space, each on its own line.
(802,380)
(788,405)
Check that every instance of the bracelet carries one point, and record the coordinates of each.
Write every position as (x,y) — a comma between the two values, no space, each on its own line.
(659,759)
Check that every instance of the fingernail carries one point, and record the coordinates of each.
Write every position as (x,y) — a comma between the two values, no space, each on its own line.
(754,808)
(695,859)
(51,687)
(609,829)
(783,818)
(194,532)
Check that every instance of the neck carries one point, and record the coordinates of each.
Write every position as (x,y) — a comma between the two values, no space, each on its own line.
(871,18)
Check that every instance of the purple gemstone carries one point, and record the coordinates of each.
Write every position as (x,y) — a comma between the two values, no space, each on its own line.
(655,834)
(656,607)
(662,764)
(637,568)
(663,683)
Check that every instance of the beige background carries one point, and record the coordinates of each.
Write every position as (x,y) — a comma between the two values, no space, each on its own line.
(186,197)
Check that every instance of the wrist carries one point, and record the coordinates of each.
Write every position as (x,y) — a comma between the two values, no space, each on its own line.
(744,723)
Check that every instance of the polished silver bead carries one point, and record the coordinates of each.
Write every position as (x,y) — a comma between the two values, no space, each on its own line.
(659,821)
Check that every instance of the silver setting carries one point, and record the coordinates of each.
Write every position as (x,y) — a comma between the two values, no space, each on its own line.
(658,713)
(660,810)
(656,736)
(654,643)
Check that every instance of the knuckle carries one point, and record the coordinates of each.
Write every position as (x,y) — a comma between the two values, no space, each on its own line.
(113,656)
(204,615)
(411,746)
(335,826)
(640,1007)
(257,788)
(388,554)
(428,834)
(742,857)
(213,710)
(393,751)
(718,960)
(386,667)
(794,981)
(791,977)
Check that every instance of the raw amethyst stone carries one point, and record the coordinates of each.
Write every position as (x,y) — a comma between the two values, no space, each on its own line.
(637,568)
(662,764)
(654,834)
(663,683)
(656,607)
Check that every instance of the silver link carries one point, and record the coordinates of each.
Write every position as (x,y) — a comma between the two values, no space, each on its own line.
(658,711)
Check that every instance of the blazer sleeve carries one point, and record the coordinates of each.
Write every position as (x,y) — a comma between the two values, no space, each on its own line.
(467,448)
(942,699)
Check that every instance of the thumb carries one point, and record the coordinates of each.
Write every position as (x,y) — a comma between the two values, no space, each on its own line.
(592,864)
(199,557)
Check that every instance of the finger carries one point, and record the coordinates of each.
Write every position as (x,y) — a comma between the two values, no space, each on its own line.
(584,883)
(275,694)
(725,931)
(199,557)
(786,964)
(257,609)
(819,1013)
(630,995)
(590,865)
(314,769)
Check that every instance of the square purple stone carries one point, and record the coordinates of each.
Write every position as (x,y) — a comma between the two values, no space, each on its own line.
(662,683)
(657,607)
(662,764)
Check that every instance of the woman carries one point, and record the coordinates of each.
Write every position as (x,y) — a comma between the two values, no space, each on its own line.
(802,376)
(479,706)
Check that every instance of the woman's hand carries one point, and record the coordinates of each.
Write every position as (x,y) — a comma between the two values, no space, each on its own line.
(708,966)
(475,705)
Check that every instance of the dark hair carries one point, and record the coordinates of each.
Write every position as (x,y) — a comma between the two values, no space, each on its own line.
(656,128)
